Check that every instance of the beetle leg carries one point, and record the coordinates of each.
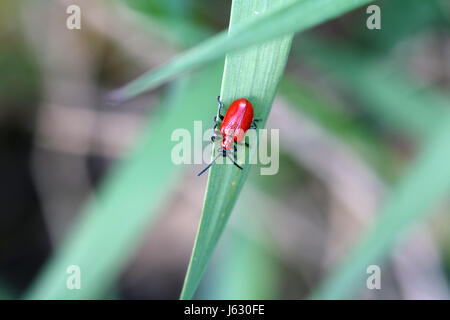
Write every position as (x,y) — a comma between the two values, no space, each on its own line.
(244,143)
(217,132)
(220,108)
(254,126)
(216,122)
(217,135)
(234,162)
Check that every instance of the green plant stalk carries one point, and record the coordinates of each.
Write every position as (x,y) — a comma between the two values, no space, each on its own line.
(427,182)
(253,74)
(296,16)
(110,226)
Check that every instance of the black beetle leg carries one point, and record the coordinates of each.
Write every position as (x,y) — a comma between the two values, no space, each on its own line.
(254,126)
(220,108)
(244,143)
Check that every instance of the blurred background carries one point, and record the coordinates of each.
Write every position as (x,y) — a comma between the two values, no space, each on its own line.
(353,109)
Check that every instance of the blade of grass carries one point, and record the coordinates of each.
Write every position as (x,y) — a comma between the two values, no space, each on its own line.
(397,101)
(110,225)
(339,123)
(426,183)
(244,265)
(295,16)
(171,20)
(253,74)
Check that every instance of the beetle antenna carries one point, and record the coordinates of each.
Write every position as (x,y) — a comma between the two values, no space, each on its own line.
(209,165)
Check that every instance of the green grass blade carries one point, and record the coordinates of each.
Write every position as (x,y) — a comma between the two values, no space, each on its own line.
(397,101)
(247,271)
(244,270)
(294,17)
(253,74)
(171,21)
(426,183)
(344,125)
(244,266)
(108,229)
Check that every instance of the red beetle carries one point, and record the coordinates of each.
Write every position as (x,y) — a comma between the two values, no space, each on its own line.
(235,123)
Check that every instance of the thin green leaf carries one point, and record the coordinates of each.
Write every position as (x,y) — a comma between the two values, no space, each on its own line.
(295,16)
(345,126)
(244,266)
(253,74)
(387,93)
(411,201)
(110,226)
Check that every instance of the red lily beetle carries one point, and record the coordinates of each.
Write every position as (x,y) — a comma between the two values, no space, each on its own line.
(237,120)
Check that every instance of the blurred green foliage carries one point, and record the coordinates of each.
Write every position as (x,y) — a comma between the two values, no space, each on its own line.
(380,102)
